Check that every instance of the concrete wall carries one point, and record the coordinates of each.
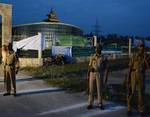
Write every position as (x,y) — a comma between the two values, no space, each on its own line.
(30,62)
(6,13)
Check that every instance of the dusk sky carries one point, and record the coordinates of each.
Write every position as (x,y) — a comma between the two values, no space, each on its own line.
(124,17)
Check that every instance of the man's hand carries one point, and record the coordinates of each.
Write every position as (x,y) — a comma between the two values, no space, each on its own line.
(106,76)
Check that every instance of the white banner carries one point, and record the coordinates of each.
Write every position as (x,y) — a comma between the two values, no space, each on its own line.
(65,50)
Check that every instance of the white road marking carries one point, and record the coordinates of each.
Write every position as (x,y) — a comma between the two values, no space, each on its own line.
(64,108)
(109,110)
(114,107)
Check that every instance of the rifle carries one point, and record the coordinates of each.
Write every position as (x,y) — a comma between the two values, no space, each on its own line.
(87,81)
(90,69)
(128,82)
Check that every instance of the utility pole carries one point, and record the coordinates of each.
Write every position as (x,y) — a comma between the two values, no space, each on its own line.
(97,29)
(130,46)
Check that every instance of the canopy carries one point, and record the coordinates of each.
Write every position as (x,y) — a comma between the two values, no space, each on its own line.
(36,42)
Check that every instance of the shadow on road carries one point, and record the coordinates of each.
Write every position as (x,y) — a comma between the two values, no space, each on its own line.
(39,91)
(23,79)
(28,79)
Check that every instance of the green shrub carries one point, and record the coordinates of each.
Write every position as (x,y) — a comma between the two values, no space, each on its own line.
(70,76)
(75,84)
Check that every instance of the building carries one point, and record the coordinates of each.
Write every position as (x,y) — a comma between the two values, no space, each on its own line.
(52,29)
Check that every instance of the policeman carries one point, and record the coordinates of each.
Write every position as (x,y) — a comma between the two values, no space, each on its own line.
(12,66)
(137,66)
(97,70)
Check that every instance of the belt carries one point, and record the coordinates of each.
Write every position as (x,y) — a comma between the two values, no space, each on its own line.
(93,70)
(133,70)
(9,64)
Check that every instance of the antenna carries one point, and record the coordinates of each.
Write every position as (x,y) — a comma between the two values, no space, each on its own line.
(97,28)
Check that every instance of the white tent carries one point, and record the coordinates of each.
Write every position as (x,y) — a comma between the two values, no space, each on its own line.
(36,42)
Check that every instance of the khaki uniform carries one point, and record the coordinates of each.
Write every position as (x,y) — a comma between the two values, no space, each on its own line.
(97,66)
(138,66)
(12,63)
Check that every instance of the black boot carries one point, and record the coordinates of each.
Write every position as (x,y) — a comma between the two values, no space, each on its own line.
(89,107)
(15,93)
(6,94)
(102,107)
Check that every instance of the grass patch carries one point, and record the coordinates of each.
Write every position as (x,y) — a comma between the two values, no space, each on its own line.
(75,68)
(55,71)
(70,76)
(72,84)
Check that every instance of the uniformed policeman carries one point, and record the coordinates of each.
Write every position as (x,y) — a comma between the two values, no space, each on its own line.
(97,70)
(137,66)
(12,66)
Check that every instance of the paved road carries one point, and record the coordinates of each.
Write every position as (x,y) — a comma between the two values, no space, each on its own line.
(117,77)
(37,99)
